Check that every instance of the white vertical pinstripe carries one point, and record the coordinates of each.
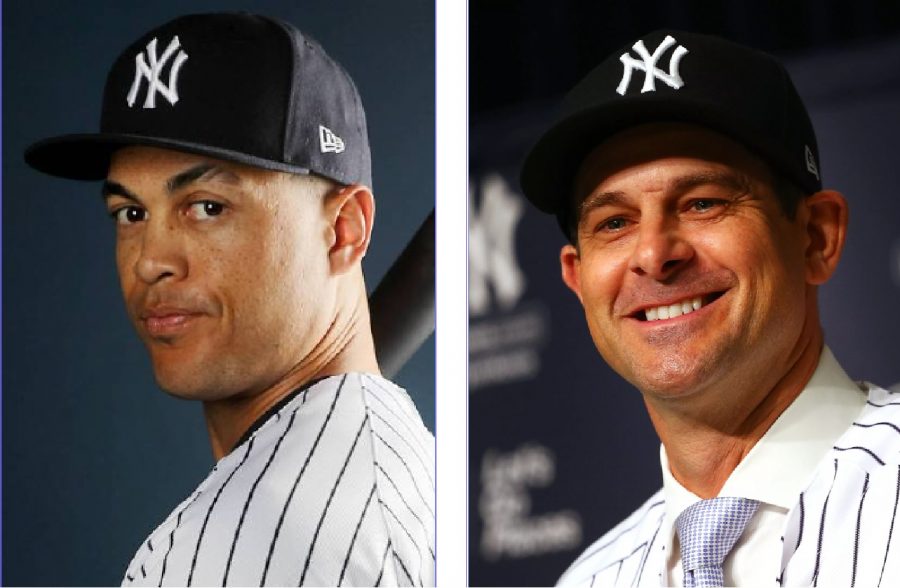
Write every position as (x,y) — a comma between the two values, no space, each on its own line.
(336,488)
(853,541)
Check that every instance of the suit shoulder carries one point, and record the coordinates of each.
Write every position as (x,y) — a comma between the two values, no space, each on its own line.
(618,542)
(873,440)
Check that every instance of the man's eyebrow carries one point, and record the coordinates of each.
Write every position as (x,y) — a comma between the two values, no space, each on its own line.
(111,188)
(204,171)
(598,199)
(732,180)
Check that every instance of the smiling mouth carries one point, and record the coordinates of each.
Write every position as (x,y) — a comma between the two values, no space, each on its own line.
(667,311)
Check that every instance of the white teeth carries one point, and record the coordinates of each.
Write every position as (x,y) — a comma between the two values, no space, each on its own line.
(673,310)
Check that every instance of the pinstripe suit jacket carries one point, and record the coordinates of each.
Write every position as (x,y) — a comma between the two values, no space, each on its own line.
(842,531)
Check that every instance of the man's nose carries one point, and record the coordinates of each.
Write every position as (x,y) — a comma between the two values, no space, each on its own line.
(661,249)
(161,255)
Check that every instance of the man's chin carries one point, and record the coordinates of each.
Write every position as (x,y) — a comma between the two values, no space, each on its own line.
(671,379)
(188,381)
(182,370)
(188,390)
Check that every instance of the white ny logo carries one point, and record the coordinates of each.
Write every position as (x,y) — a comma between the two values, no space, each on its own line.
(152,72)
(648,66)
(492,246)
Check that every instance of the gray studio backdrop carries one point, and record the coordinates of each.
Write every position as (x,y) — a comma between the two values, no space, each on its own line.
(94,455)
(560,447)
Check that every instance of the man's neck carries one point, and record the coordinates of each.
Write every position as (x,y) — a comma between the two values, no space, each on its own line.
(707,441)
(347,346)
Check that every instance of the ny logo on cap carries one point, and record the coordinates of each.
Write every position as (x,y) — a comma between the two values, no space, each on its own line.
(648,66)
(329,142)
(153,71)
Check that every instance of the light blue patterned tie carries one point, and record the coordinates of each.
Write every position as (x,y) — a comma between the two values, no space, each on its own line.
(707,530)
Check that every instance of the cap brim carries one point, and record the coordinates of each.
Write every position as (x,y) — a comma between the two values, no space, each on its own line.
(548,174)
(87,156)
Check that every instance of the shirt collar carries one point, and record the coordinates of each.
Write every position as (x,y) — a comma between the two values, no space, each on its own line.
(781,464)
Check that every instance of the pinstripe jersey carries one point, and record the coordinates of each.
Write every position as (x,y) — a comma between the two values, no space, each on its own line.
(839,532)
(335,488)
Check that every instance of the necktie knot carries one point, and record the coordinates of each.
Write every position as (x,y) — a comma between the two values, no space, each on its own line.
(707,531)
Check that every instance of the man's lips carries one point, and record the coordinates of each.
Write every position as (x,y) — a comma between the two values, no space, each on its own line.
(674,307)
(163,321)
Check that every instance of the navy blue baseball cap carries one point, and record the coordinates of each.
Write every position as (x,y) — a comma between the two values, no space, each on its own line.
(234,86)
(676,76)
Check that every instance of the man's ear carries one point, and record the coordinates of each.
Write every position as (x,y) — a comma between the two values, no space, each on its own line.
(826,229)
(351,212)
(570,264)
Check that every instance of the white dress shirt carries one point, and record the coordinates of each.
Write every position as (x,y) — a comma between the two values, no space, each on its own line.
(828,476)
(775,471)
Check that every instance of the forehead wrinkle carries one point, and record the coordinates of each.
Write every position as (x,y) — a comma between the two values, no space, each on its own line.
(732,179)
(221,174)
(204,173)
(600,199)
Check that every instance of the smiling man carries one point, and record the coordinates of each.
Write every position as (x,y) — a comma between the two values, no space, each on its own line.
(699,234)
(237,170)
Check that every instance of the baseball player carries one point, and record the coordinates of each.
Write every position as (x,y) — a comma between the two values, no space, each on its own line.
(236,167)
(684,171)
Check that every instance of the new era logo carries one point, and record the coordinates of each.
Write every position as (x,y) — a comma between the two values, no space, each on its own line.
(647,64)
(152,71)
(329,142)
(811,166)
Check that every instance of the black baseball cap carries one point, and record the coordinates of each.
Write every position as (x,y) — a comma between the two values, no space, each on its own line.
(234,86)
(676,76)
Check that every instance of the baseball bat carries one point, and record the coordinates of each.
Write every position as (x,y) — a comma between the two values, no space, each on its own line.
(402,305)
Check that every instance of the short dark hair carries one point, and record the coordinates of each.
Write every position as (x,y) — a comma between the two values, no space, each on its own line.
(788,193)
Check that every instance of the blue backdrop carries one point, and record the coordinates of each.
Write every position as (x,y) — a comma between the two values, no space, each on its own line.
(94,455)
(561,448)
